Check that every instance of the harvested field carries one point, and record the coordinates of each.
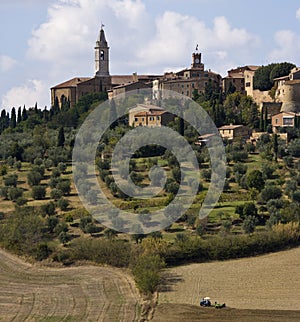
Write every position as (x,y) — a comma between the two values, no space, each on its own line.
(268,282)
(83,293)
(191,313)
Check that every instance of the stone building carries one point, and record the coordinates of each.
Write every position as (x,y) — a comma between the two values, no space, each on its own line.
(235,132)
(102,81)
(288,91)
(283,119)
(188,81)
(149,115)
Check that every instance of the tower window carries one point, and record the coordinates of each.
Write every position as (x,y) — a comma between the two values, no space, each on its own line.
(101,55)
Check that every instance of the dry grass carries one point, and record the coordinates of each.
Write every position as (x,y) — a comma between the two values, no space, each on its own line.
(85,293)
(266,282)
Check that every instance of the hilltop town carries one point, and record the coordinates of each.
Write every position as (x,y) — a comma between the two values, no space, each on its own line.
(280,104)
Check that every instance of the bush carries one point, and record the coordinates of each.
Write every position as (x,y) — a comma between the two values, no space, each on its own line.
(42,252)
(21,201)
(48,209)
(15,193)
(102,251)
(270,192)
(254,179)
(38,192)
(11,180)
(146,272)
(22,232)
(249,224)
(56,194)
(64,186)
(63,204)
(64,237)
(34,178)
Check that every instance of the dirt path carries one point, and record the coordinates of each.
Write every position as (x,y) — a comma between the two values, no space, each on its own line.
(85,293)
(270,282)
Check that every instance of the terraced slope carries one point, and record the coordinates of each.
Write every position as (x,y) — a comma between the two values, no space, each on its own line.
(84,293)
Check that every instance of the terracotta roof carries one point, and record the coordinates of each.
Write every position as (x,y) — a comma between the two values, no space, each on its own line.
(253,67)
(117,80)
(290,114)
(281,78)
(230,127)
(235,75)
(72,82)
(291,82)
(128,84)
(150,113)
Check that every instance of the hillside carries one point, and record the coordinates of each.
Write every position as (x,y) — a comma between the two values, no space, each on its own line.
(85,293)
(247,286)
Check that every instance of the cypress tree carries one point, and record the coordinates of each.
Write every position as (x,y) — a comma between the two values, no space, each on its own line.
(61,137)
(275,146)
(24,114)
(265,119)
(261,120)
(13,118)
(19,117)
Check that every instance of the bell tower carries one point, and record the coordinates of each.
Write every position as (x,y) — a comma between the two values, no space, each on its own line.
(196,61)
(101,55)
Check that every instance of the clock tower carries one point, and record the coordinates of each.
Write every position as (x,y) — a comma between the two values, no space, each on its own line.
(101,55)
(196,61)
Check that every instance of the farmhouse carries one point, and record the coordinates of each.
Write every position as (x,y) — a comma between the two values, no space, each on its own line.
(284,119)
(232,132)
(149,115)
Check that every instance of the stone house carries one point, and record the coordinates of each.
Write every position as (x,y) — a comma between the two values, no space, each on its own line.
(150,116)
(284,119)
(235,132)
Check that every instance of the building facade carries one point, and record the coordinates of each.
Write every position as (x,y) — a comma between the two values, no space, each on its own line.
(288,91)
(235,132)
(189,81)
(102,81)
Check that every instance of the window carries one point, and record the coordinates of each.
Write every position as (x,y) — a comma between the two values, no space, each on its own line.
(276,121)
(101,55)
(158,118)
(142,119)
(187,93)
(288,121)
(248,84)
(136,119)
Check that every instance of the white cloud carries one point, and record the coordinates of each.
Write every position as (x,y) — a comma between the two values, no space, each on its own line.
(6,63)
(298,14)
(66,40)
(177,35)
(29,93)
(138,41)
(288,47)
(62,46)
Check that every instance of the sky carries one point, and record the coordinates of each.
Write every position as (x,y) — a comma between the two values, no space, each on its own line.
(44,43)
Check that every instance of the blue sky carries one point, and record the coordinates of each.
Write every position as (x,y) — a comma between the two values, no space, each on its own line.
(47,42)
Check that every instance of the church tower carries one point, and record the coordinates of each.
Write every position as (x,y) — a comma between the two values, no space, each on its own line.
(101,55)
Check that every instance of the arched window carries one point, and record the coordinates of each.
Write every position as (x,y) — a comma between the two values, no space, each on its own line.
(101,55)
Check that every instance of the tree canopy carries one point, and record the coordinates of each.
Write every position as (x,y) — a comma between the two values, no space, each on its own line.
(264,76)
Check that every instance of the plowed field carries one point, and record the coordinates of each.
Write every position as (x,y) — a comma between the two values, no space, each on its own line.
(263,288)
(83,293)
